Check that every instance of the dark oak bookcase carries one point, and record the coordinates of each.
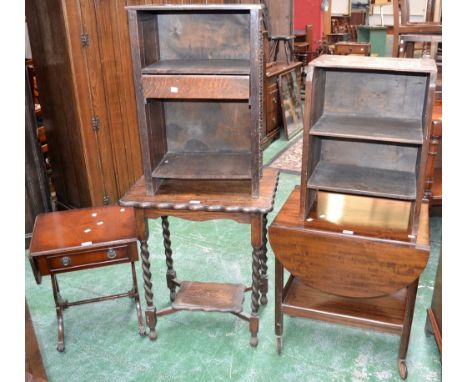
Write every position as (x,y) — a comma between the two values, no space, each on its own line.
(366,129)
(198,73)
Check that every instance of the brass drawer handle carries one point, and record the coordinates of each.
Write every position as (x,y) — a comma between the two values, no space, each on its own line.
(66,261)
(111,254)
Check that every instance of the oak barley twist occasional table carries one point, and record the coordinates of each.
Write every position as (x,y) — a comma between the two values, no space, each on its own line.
(199,202)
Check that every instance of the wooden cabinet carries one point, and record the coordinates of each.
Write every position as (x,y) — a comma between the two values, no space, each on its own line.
(366,130)
(198,72)
(82,60)
(37,192)
(355,48)
(273,114)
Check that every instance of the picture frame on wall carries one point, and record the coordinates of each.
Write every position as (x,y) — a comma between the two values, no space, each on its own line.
(291,105)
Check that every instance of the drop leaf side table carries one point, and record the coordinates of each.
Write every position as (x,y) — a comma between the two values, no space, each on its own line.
(80,239)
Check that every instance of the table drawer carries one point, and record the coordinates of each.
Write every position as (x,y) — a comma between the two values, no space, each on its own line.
(92,258)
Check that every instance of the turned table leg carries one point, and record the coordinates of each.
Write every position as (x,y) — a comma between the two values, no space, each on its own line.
(279,281)
(256,238)
(150,312)
(170,274)
(408,320)
(264,259)
(141,326)
(59,311)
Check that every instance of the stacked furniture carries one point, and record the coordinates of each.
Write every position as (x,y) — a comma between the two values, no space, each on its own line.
(199,86)
(358,223)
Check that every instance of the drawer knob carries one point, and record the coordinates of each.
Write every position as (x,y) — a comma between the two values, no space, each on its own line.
(66,261)
(111,254)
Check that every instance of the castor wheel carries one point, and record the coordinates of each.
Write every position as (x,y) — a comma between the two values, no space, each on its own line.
(279,344)
(263,300)
(254,341)
(403,368)
(60,347)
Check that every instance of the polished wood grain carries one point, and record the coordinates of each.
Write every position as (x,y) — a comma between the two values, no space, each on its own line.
(209,297)
(379,313)
(78,239)
(226,196)
(195,87)
(82,228)
(352,259)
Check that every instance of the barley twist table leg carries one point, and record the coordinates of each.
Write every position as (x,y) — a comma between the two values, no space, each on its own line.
(150,312)
(256,279)
(264,259)
(136,296)
(170,274)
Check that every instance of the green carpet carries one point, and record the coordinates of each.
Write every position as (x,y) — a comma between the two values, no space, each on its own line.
(102,341)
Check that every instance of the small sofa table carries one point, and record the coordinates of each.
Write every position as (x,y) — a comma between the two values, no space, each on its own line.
(351,262)
(197,201)
(78,239)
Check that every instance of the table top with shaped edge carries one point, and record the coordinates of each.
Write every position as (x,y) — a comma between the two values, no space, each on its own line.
(83,228)
(206,196)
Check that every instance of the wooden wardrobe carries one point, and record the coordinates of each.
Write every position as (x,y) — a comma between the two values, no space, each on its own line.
(82,59)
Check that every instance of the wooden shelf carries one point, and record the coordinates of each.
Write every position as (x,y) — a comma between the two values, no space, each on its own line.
(378,313)
(209,297)
(400,130)
(205,165)
(359,180)
(207,67)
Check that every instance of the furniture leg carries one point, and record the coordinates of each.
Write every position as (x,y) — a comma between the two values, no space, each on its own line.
(170,274)
(408,320)
(264,259)
(150,312)
(279,275)
(59,312)
(428,327)
(141,326)
(256,239)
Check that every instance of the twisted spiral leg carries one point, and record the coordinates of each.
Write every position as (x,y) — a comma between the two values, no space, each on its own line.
(256,278)
(264,259)
(170,274)
(150,312)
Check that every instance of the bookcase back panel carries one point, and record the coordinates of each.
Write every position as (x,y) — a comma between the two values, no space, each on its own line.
(193,126)
(204,36)
(365,154)
(382,94)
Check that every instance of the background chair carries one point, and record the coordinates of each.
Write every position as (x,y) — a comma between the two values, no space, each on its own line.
(406,33)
